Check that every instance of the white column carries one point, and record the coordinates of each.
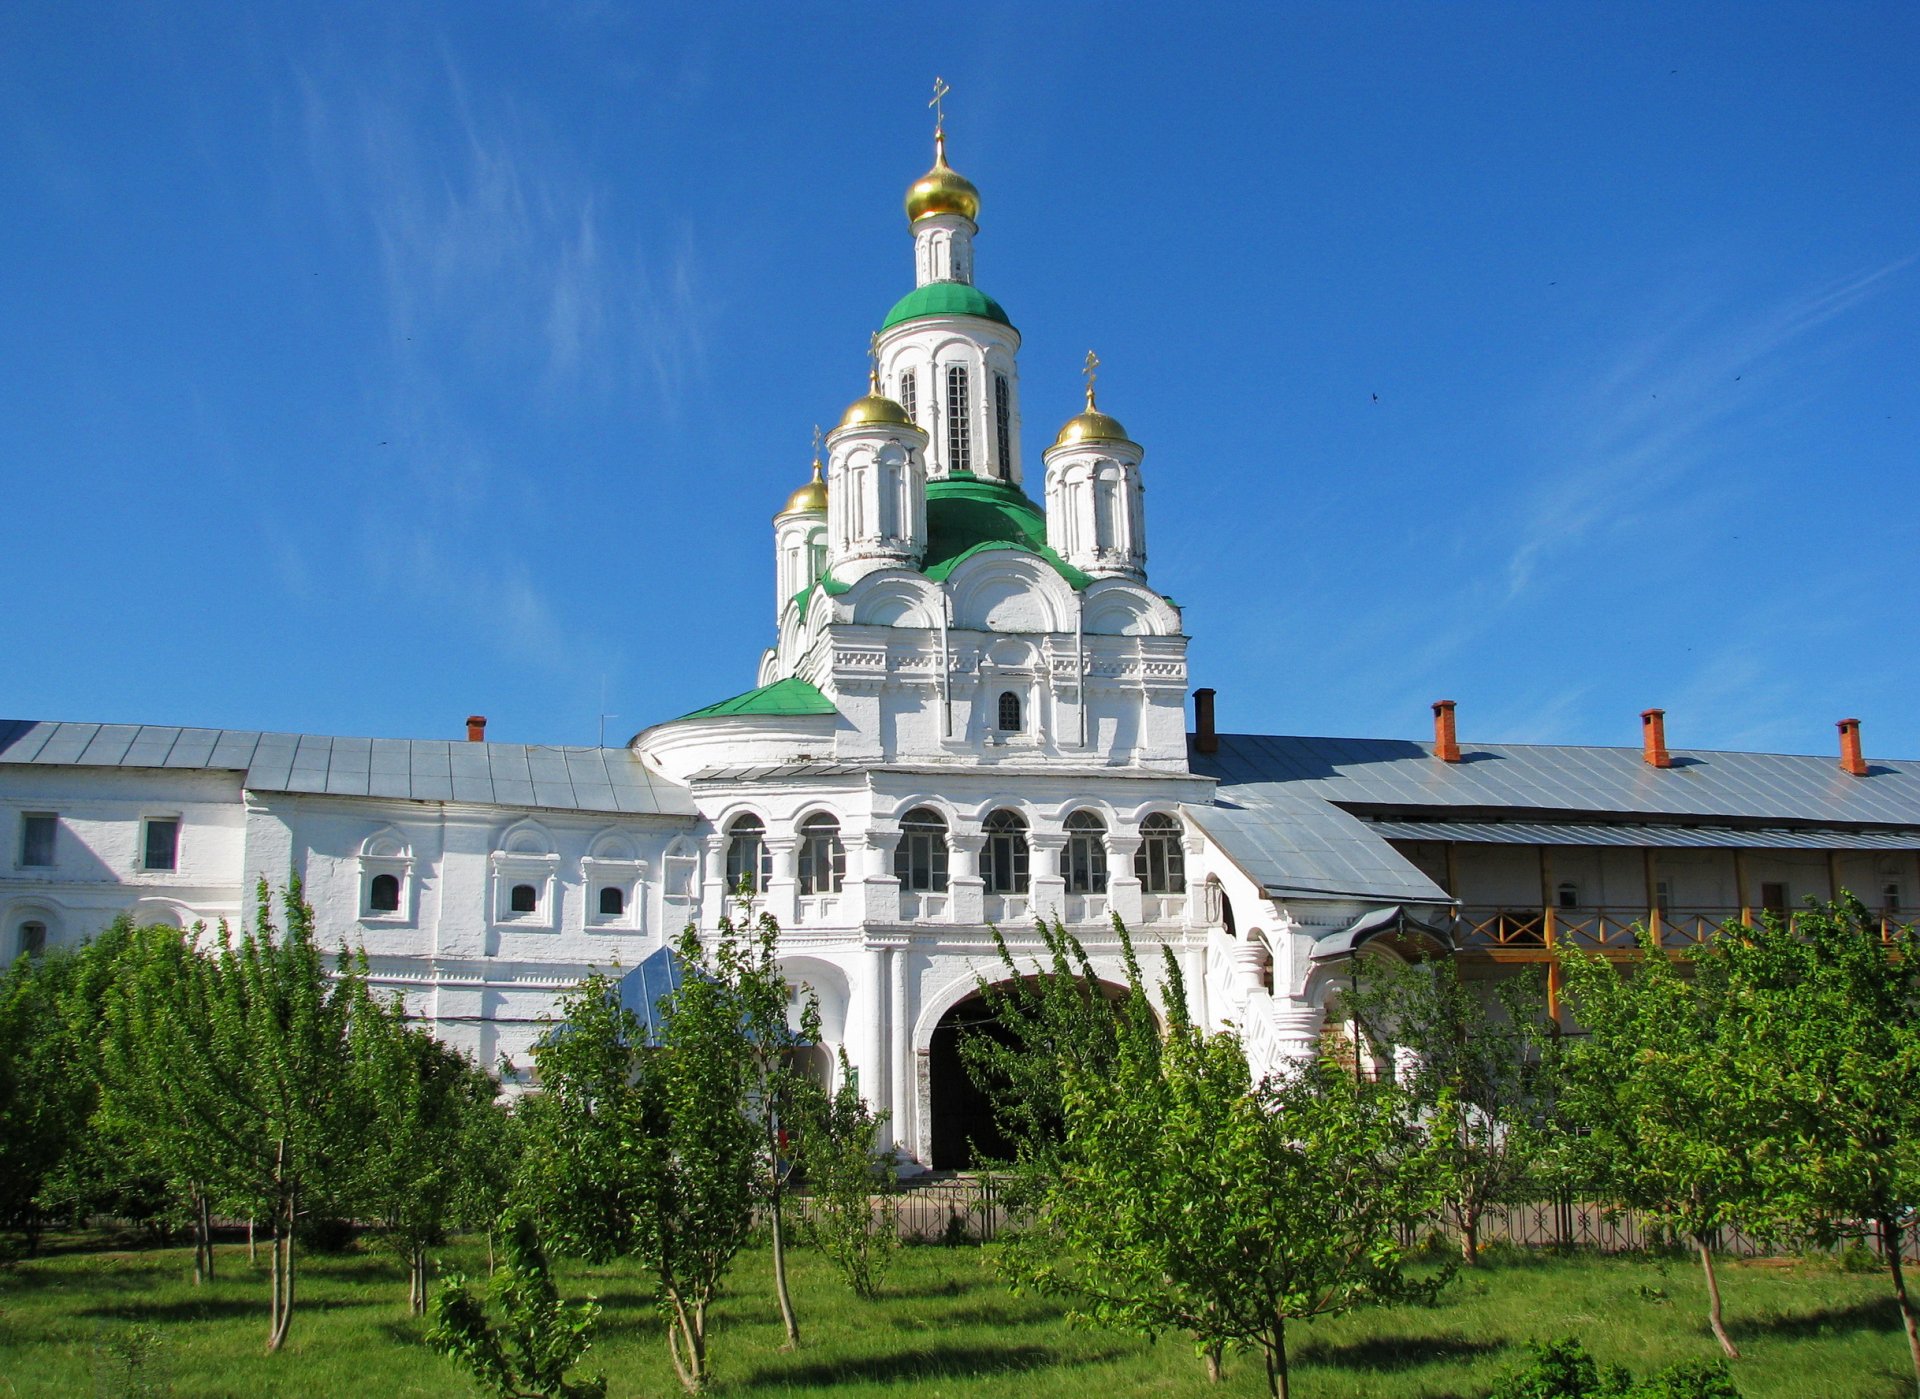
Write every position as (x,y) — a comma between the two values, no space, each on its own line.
(900,1061)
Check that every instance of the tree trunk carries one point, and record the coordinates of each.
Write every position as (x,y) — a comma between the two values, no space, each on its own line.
(284,1216)
(417,1280)
(1713,1300)
(1214,1374)
(202,1236)
(1470,1238)
(1891,1236)
(687,1344)
(252,1257)
(1277,1359)
(780,1263)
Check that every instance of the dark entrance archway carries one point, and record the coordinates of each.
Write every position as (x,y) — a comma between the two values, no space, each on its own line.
(964,1133)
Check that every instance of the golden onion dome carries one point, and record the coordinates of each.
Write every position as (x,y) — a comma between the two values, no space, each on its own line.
(875,408)
(1091,426)
(942,190)
(811,498)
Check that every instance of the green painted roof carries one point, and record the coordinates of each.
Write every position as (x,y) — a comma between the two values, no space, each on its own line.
(945,299)
(791,698)
(966,515)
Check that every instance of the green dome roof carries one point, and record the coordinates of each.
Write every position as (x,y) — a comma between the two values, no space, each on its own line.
(945,299)
(966,514)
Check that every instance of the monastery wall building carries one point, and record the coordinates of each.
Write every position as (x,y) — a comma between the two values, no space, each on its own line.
(974,715)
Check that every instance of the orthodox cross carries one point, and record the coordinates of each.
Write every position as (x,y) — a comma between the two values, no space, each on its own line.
(1093,363)
(940,90)
(816,446)
(873,362)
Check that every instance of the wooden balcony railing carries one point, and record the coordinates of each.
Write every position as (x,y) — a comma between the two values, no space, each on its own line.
(1523,932)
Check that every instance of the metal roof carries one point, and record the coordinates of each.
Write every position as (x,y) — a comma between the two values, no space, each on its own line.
(1302,845)
(609,780)
(1393,775)
(1623,833)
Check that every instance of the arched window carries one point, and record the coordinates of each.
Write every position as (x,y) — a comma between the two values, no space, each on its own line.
(524,899)
(1086,854)
(749,861)
(959,421)
(910,393)
(920,860)
(1003,425)
(33,938)
(383,895)
(1161,862)
(1003,863)
(613,901)
(1009,716)
(823,860)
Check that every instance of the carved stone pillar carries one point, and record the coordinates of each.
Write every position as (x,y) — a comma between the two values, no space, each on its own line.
(779,900)
(714,900)
(1123,885)
(963,874)
(1048,885)
(870,874)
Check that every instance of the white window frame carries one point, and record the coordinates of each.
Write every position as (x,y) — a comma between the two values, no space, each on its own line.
(629,877)
(179,833)
(509,868)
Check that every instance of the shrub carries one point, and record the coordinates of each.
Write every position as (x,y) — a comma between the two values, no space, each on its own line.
(1562,1369)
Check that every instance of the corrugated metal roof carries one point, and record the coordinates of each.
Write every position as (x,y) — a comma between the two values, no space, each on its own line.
(773,772)
(1393,774)
(416,769)
(1588,833)
(1301,845)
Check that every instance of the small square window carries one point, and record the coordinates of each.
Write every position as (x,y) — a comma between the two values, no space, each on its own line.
(383,894)
(36,839)
(162,846)
(613,901)
(524,899)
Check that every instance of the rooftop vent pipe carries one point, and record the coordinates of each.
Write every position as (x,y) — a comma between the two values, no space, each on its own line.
(1653,738)
(476,728)
(1205,740)
(1446,745)
(1851,760)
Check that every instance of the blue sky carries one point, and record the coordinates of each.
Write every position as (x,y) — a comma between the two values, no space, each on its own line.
(372,365)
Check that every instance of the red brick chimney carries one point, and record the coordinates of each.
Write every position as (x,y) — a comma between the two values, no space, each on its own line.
(1205,740)
(1446,745)
(1653,738)
(1850,756)
(476,728)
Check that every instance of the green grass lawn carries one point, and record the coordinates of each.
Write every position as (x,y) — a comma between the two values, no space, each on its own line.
(946,1326)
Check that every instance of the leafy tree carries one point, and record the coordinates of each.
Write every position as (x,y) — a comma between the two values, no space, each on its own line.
(490,1150)
(1483,1071)
(46,1086)
(1827,1018)
(416,1100)
(654,1150)
(853,1208)
(748,966)
(238,1056)
(524,1349)
(1184,1196)
(1670,1124)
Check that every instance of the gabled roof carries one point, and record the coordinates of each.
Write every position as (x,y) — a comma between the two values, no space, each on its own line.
(1296,844)
(609,780)
(1394,777)
(790,698)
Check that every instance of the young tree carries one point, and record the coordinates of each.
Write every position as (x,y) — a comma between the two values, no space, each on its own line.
(46,1086)
(1670,1121)
(416,1100)
(524,1349)
(1827,1018)
(1183,1196)
(853,1208)
(243,1050)
(1483,1072)
(653,1150)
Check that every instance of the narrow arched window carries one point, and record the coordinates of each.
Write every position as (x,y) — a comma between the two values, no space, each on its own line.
(749,861)
(1003,861)
(959,420)
(1086,854)
(1161,862)
(920,860)
(524,899)
(910,393)
(823,860)
(613,901)
(33,939)
(383,895)
(1003,425)
(1009,716)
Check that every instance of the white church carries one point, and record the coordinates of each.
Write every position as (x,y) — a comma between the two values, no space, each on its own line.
(974,715)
